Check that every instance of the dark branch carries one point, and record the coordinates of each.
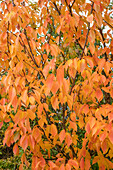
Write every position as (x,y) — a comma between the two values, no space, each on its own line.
(33,58)
(103,41)
(72,3)
(108,23)
(73,84)
(69,7)
(57,8)
(64,116)
(87,32)
(13,3)
(8,37)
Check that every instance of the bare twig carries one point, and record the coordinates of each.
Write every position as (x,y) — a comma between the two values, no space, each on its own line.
(72,3)
(69,7)
(8,37)
(73,83)
(103,41)
(87,32)
(56,8)
(63,108)
(33,58)
(108,23)
(13,3)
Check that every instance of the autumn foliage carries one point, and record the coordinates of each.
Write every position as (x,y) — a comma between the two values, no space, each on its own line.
(56,82)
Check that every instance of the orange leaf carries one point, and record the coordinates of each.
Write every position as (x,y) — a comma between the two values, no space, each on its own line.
(49,81)
(54,102)
(62,135)
(92,48)
(31,114)
(24,142)
(68,167)
(82,164)
(15,103)
(73,116)
(87,128)
(55,87)
(31,141)
(90,18)
(110,135)
(87,163)
(104,146)
(73,125)
(24,96)
(60,75)
(68,139)
(16,149)
(36,134)
(32,100)
(99,94)
(62,167)
(81,65)
(12,93)
(53,130)
(101,63)
(73,163)
(111,93)
(103,136)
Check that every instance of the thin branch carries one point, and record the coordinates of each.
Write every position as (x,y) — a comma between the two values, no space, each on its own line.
(13,3)
(8,37)
(70,8)
(33,58)
(57,8)
(73,83)
(25,48)
(64,117)
(108,23)
(74,154)
(103,41)
(72,3)
(87,32)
